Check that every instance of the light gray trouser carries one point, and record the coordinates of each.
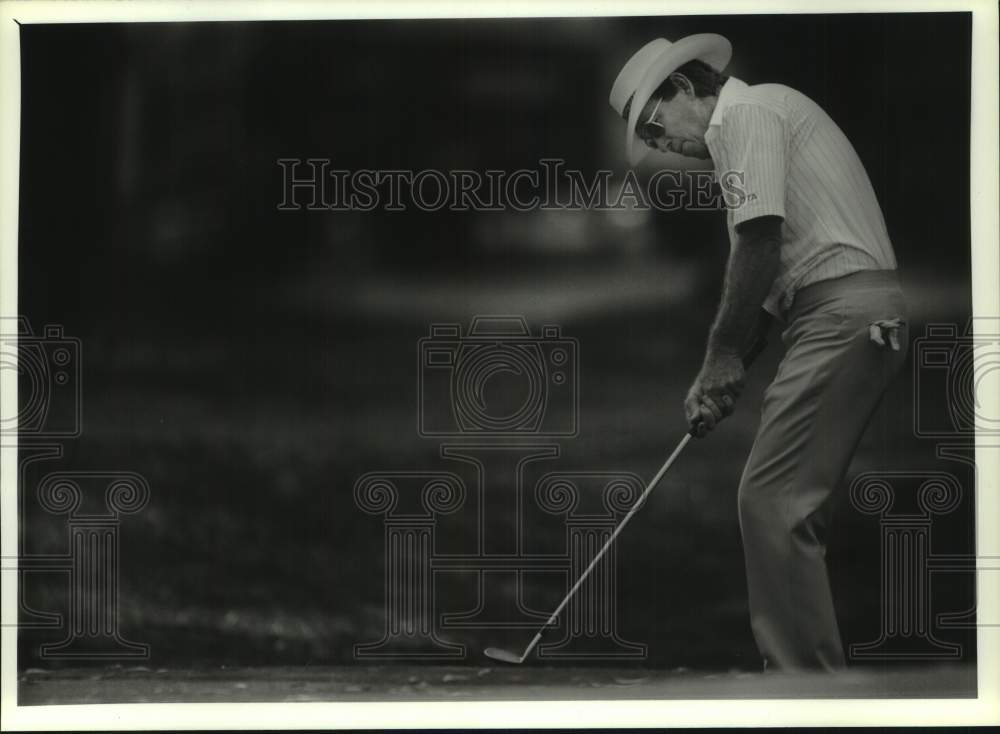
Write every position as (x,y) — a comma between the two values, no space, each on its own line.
(814,414)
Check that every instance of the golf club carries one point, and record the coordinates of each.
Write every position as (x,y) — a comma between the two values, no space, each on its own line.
(506,656)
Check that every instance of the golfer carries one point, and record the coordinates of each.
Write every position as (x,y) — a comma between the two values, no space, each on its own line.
(809,246)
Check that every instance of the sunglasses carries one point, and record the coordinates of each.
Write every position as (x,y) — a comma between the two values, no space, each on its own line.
(650,131)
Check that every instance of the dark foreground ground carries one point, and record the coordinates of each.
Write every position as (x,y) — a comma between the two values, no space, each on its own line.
(468,683)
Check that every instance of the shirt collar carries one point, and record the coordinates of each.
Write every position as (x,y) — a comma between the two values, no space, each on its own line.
(727,94)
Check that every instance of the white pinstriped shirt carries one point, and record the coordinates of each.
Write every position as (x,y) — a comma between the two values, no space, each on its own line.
(798,165)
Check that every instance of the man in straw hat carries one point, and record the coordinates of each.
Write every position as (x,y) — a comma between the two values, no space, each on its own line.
(809,246)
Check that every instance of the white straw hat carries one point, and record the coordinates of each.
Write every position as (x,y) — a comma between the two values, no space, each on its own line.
(647,69)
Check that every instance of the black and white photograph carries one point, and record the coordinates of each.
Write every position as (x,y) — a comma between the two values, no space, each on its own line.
(499,366)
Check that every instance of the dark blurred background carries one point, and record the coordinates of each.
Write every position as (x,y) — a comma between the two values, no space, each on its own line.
(253,363)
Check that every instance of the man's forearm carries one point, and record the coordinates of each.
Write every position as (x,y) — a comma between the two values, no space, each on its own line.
(752,267)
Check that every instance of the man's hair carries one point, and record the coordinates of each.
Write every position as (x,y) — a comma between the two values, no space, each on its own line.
(706,82)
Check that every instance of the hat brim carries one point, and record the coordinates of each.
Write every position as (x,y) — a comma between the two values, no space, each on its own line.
(713,49)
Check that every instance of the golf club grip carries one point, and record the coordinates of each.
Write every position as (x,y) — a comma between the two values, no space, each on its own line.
(749,357)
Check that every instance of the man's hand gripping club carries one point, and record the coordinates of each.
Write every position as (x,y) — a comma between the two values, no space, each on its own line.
(718,390)
(713,395)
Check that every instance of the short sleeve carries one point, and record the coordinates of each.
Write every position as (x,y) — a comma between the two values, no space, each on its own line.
(756,148)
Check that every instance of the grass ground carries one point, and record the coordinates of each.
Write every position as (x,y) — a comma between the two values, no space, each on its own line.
(454,683)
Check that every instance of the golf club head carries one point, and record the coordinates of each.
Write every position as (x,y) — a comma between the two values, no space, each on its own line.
(503,655)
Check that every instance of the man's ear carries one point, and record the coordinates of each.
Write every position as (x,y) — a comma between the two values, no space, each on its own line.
(682,83)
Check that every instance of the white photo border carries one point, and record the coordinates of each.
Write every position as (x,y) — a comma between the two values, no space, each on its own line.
(984,194)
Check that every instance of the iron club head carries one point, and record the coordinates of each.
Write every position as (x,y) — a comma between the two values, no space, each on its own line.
(503,655)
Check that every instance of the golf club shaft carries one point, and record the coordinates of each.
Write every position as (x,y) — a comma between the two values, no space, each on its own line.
(748,358)
(583,577)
